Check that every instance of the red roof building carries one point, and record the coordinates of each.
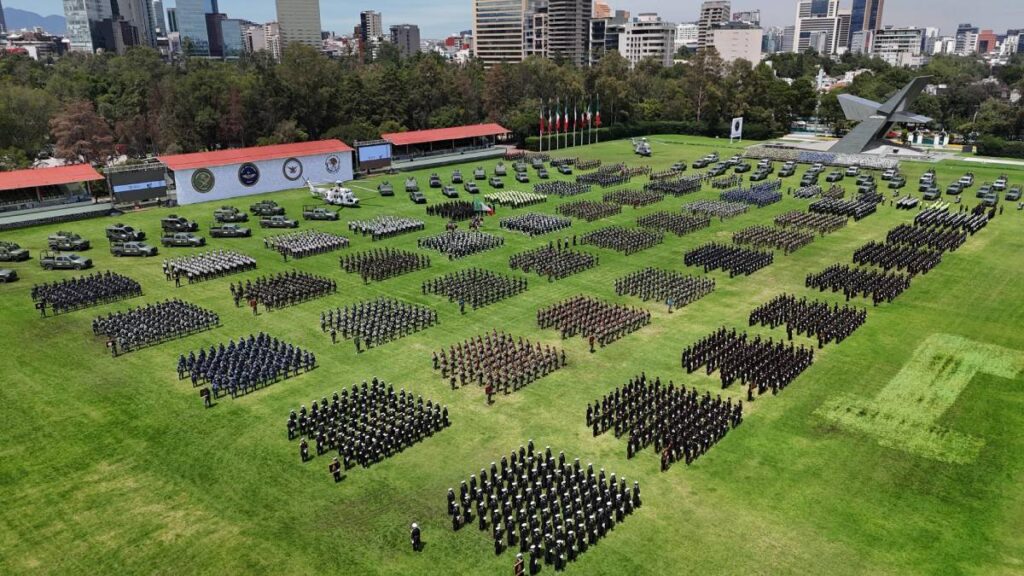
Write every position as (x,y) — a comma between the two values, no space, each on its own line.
(40,177)
(444,134)
(253,154)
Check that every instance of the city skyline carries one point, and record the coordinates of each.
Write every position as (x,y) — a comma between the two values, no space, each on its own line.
(437,20)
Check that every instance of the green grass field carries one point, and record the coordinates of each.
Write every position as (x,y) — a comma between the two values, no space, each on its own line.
(898,452)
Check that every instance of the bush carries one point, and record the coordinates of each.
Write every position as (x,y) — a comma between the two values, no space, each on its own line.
(621,131)
(993,146)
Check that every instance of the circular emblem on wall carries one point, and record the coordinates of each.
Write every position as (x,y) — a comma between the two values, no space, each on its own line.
(292,169)
(333,164)
(248,174)
(203,180)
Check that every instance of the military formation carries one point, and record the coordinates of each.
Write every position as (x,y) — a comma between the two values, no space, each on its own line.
(497,362)
(514,199)
(678,187)
(634,197)
(760,365)
(940,218)
(938,239)
(599,322)
(152,324)
(680,424)
(856,209)
(364,425)
(589,210)
(535,224)
(457,210)
(759,237)
(383,263)
(760,195)
(461,243)
(734,260)
(240,368)
(553,263)
(888,257)
(860,282)
(561,188)
(383,227)
(71,294)
(376,322)
(207,266)
(812,318)
(474,287)
(551,510)
(716,209)
(625,240)
(305,244)
(819,223)
(678,224)
(281,290)
(673,288)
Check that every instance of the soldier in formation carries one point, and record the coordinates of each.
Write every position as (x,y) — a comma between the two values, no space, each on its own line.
(383,227)
(498,361)
(153,323)
(207,266)
(248,365)
(283,289)
(593,319)
(757,363)
(625,240)
(306,243)
(376,322)
(552,263)
(460,243)
(84,291)
(737,261)
(475,286)
(813,318)
(664,285)
(383,263)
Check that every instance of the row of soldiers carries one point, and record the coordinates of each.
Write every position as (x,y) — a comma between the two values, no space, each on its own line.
(864,282)
(677,187)
(207,266)
(600,322)
(675,289)
(383,263)
(942,218)
(383,227)
(737,261)
(498,362)
(815,222)
(457,210)
(888,257)
(681,424)
(678,224)
(940,239)
(305,244)
(760,195)
(152,324)
(813,318)
(758,364)
(94,289)
(515,199)
(534,224)
(461,243)
(282,289)
(475,286)
(365,425)
(856,209)
(759,237)
(550,509)
(716,208)
(625,240)
(589,210)
(254,362)
(634,197)
(375,322)
(561,188)
(552,263)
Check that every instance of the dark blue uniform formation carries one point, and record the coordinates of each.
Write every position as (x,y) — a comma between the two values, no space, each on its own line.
(888,257)
(83,292)
(865,282)
(814,318)
(942,240)
(678,224)
(455,210)
(153,324)
(857,209)
(253,363)
(938,218)
(383,263)
(760,195)
(551,510)
(681,424)
(716,208)
(460,243)
(736,261)
(677,187)
(625,240)
(759,364)
(366,424)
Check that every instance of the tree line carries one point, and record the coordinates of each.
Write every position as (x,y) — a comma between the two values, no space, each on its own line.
(89,107)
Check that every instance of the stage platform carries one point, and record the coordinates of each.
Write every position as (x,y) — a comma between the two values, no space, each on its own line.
(446,159)
(54,214)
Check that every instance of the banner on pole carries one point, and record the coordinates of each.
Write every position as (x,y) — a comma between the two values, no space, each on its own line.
(737,129)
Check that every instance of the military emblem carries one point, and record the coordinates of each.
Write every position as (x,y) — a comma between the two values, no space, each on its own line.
(333,164)
(203,180)
(248,174)
(292,169)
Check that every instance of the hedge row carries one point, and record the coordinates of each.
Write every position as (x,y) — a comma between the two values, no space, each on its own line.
(993,146)
(620,131)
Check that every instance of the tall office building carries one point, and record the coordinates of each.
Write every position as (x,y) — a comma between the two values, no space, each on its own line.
(687,35)
(371,25)
(299,22)
(105,25)
(899,46)
(752,17)
(647,36)
(172,20)
(821,26)
(966,40)
(498,30)
(602,9)
(737,40)
(3,21)
(535,30)
(866,15)
(569,30)
(711,12)
(406,37)
(159,20)
(190,16)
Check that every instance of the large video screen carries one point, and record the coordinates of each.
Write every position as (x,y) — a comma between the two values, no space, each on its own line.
(139,185)
(375,156)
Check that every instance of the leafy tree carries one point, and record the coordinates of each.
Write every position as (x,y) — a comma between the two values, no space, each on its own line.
(80,134)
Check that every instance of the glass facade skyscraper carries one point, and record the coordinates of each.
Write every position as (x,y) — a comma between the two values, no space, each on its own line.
(191,20)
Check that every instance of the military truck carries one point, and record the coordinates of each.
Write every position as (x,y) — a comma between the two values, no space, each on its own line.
(67,242)
(741,168)
(182,240)
(386,189)
(834,176)
(119,249)
(11,252)
(479,174)
(230,214)
(679,166)
(1013,195)
(230,231)
(8,275)
(54,261)
(472,188)
(457,177)
(175,223)
(319,213)
(450,192)
(266,208)
(411,185)
(565,169)
(277,222)
(122,233)
(435,181)
(496,182)
(542,173)
(522,178)
(500,169)
(417,197)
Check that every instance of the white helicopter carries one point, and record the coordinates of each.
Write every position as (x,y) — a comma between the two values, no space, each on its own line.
(336,195)
(641,147)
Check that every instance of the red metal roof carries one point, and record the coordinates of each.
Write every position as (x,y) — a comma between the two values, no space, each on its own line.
(444,134)
(48,176)
(241,155)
